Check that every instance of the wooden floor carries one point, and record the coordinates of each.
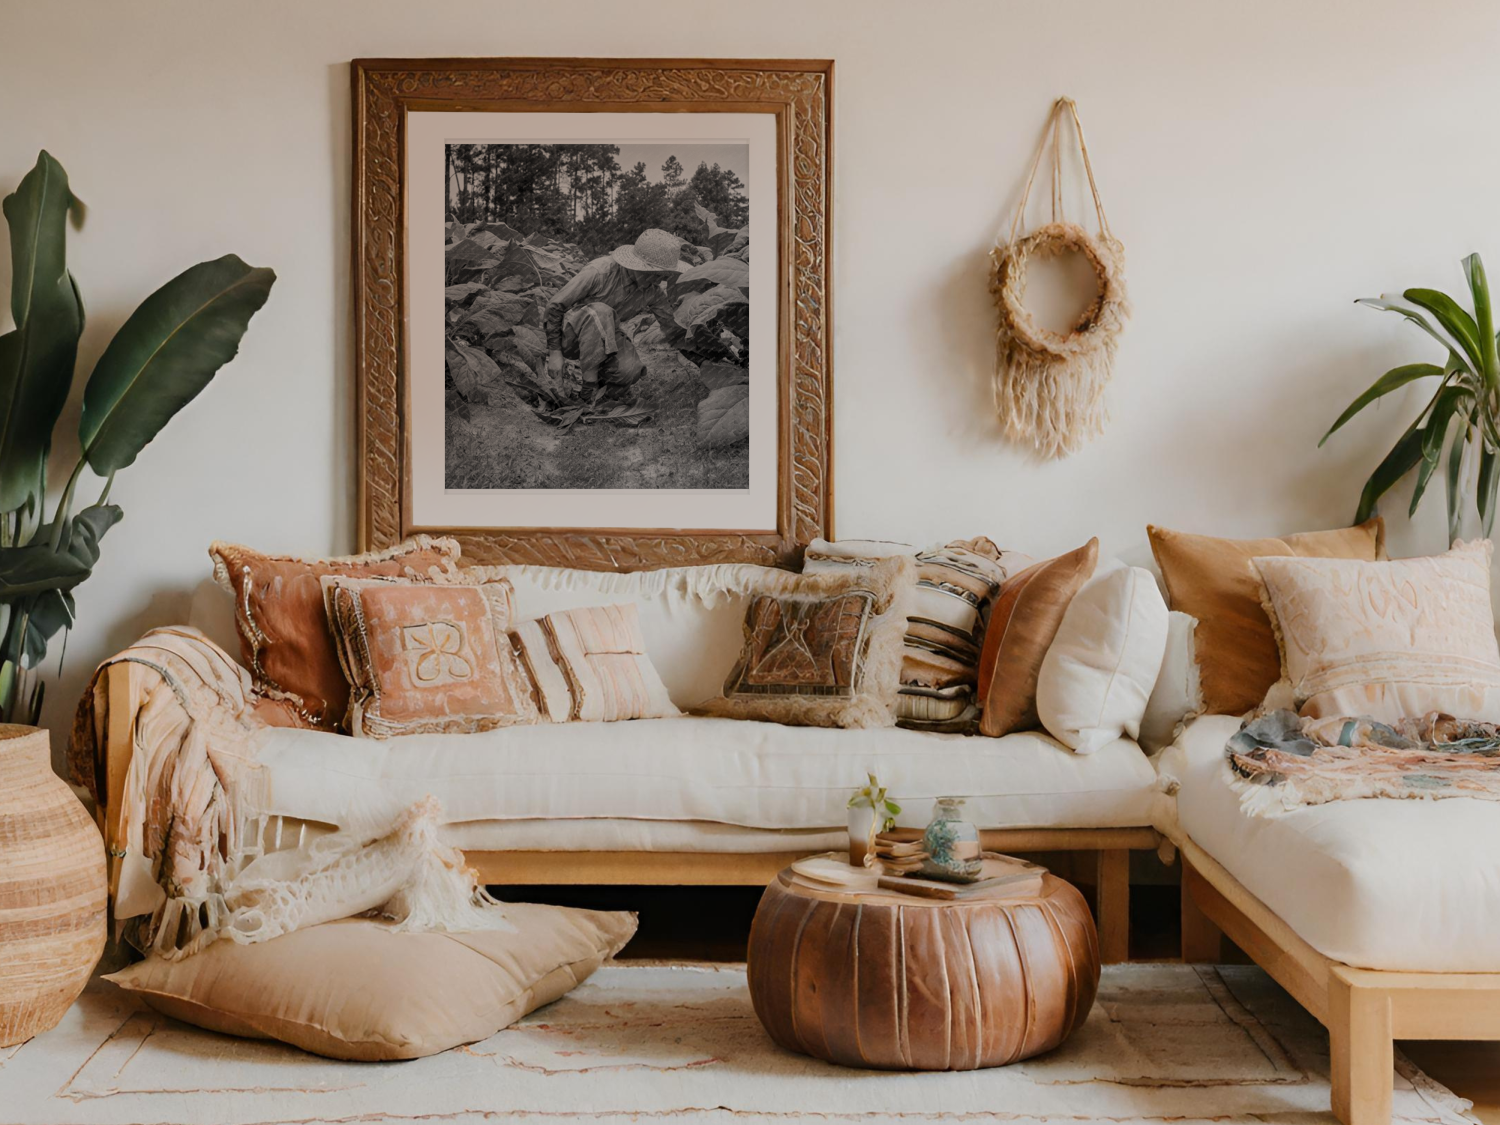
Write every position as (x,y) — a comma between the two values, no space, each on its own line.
(713,924)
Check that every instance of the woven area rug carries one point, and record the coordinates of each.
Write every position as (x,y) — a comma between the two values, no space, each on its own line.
(647,1042)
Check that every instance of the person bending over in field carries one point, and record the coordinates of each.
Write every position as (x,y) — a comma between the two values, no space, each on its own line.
(583,319)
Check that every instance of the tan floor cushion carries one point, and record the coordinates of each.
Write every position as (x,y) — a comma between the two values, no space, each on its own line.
(358,990)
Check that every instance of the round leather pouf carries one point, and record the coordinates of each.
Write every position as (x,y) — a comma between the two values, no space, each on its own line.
(896,982)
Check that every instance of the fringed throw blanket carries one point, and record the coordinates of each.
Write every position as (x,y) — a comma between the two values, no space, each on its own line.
(191,859)
(1281,761)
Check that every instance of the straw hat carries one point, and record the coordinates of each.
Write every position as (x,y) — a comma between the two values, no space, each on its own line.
(654,250)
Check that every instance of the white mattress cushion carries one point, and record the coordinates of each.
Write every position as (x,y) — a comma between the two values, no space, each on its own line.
(729,771)
(1408,885)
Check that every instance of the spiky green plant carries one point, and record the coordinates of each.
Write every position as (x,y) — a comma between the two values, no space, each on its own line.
(1463,414)
(162,356)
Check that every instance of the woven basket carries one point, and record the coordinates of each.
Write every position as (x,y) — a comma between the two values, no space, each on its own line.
(52,889)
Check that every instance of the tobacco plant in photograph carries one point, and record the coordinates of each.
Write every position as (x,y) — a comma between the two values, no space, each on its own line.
(158,361)
(1463,414)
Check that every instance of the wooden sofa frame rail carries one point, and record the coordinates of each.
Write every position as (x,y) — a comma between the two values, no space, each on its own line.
(645,868)
(1364,1010)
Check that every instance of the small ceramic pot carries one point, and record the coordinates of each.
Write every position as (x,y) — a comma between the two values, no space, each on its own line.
(952,844)
(860,822)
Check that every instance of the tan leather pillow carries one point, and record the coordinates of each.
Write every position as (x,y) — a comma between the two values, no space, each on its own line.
(1025,619)
(355,990)
(1214,580)
(283,628)
(428,657)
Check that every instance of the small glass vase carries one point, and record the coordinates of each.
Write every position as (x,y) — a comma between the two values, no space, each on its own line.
(952,844)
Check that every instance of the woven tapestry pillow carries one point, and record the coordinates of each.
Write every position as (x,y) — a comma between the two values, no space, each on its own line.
(283,629)
(427,657)
(823,649)
(956,585)
(1388,640)
(1214,581)
(1026,617)
(590,665)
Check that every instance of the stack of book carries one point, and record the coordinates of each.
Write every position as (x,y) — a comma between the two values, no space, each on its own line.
(899,857)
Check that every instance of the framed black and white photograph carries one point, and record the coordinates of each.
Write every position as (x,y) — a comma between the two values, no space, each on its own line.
(610,308)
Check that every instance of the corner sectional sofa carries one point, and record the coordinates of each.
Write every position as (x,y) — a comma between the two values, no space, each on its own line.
(674,801)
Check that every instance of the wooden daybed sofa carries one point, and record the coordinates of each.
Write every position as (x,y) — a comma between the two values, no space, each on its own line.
(670,801)
(1379,916)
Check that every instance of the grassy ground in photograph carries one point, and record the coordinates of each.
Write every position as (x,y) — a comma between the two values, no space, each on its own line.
(505,445)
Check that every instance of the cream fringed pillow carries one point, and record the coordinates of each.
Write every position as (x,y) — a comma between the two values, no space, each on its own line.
(1390,640)
(356,990)
(590,665)
(424,658)
(823,650)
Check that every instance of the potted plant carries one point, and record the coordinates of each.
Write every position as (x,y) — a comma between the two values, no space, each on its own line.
(870,811)
(160,359)
(1463,414)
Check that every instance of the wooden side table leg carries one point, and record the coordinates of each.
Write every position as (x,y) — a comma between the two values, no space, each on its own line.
(1112,888)
(1361,1052)
(1202,941)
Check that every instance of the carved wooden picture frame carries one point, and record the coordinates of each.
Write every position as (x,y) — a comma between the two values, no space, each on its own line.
(797,94)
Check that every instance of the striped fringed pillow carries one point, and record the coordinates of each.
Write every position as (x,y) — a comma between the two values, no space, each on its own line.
(956,584)
(591,665)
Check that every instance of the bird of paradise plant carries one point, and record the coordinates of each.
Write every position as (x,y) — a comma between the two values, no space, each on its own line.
(163,355)
(1463,414)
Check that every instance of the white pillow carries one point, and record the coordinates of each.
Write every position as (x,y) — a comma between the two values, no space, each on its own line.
(1098,674)
(1177,695)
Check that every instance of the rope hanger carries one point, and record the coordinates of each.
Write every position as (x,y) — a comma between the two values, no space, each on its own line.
(1049,386)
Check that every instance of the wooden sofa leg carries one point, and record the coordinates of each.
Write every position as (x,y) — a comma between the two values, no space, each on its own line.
(1202,941)
(1112,888)
(1361,1052)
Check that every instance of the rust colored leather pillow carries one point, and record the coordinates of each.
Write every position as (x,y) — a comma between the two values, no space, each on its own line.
(283,628)
(1215,581)
(1025,619)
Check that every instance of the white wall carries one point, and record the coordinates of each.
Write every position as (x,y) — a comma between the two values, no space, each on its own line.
(1265,163)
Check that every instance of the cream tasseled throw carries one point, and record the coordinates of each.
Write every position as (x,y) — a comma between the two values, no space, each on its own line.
(192,862)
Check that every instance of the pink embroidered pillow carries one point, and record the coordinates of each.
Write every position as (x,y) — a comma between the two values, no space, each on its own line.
(591,665)
(427,657)
(1391,640)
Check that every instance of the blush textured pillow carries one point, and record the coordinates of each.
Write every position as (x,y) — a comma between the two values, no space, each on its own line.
(1390,640)
(283,628)
(357,990)
(590,665)
(1100,668)
(427,657)
(1025,619)
(1214,581)
(823,650)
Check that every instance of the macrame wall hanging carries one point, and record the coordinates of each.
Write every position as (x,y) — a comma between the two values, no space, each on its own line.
(1049,386)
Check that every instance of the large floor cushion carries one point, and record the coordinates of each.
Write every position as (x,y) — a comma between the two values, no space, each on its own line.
(1408,885)
(729,771)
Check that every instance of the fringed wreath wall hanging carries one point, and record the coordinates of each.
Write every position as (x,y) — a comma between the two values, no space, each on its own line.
(1049,386)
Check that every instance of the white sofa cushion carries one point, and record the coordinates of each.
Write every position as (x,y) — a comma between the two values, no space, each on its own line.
(1379,884)
(730,771)
(1100,668)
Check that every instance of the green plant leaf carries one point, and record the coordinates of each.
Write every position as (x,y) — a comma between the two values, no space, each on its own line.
(1489,478)
(1393,379)
(1402,458)
(1447,402)
(37,356)
(37,567)
(1484,315)
(1454,319)
(166,353)
(1390,302)
(1455,476)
